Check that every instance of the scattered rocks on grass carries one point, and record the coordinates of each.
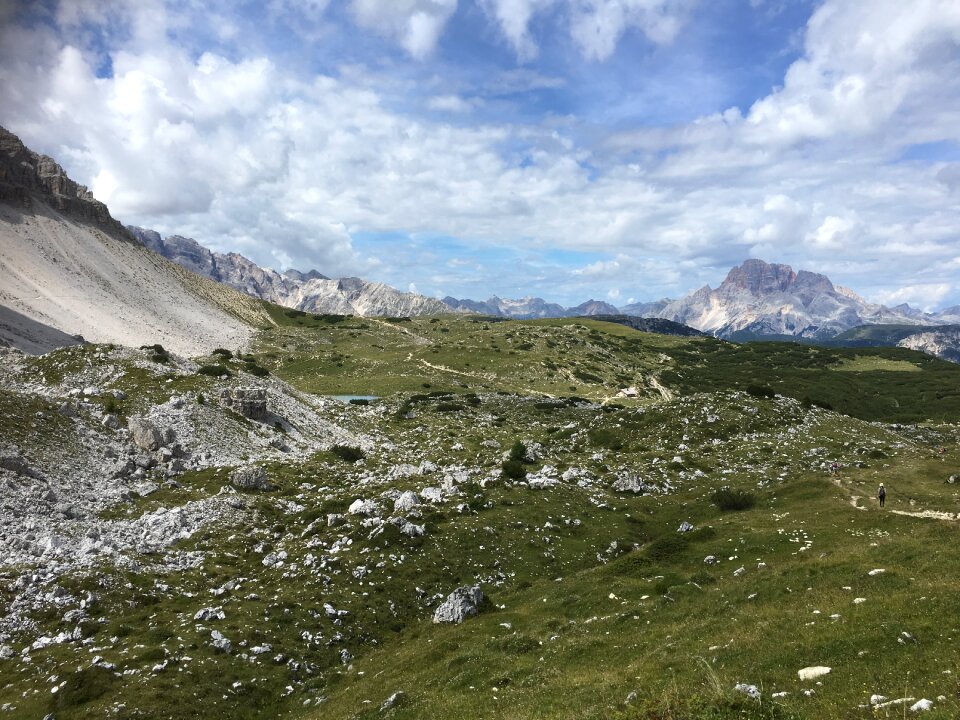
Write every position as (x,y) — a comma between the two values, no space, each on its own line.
(250,477)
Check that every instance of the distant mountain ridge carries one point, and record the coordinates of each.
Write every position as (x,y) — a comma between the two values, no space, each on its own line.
(310,291)
(768,299)
(529,308)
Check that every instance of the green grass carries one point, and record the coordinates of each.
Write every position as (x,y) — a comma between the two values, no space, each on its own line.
(602,595)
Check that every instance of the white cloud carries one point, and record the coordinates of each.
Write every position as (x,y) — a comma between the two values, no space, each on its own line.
(597,25)
(415,24)
(513,18)
(242,153)
(452,103)
(926,297)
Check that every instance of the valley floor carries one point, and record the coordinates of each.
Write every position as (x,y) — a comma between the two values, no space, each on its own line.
(682,554)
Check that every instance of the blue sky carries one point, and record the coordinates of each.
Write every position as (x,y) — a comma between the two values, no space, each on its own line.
(573,149)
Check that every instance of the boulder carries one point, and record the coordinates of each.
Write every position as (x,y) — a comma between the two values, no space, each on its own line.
(250,477)
(363,507)
(111,421)
(249,402)
(18,464)
(462,603)
(219,642)
(145,434)
(406,502)
(685,527)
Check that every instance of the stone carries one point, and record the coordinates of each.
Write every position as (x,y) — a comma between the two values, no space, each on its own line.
(6,652)
(634,484)
(685,527)
(219,642)
(334,519)
(813,672)
(406,502)
(749,690)
(921,705)
(111,421)
(462,603)
(18,464)
(248,401)
(363,507)
(393,701)
(411,530)
(250,477)
(209,613)
(145,434)
(432,494)
(710,560)
(67,410)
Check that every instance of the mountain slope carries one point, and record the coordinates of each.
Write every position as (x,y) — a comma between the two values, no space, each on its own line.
(67,264)
(310,291)
(529,308)
(759,298)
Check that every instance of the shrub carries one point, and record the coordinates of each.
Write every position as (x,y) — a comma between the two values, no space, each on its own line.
(348,453)
(158,348)
(760,391)
(667,548)
(518,451)
(359,401)
(514,469)
(226,354)
(602,437)
(83,686)
(727,499)
(449,407)
(162,358)
(256,370)
(201,399)
(213,370)
(110,404)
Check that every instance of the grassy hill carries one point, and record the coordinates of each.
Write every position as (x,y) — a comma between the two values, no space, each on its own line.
(597,606)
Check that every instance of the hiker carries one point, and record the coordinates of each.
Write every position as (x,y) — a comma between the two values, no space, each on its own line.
(882,494)
(834,468)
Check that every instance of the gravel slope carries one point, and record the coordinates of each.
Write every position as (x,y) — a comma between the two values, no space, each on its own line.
(77,279)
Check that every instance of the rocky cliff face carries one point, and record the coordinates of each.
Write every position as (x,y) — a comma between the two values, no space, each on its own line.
(759,298)
(27,177)
(309,291)
(67,268)
(943,342)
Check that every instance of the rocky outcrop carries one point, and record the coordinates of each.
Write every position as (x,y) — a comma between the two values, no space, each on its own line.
(249,402)
(462,603)
(251,477)
(943,342)
(26,176)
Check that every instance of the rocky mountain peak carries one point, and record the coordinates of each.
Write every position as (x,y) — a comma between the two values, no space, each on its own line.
(759,277)
(26,176)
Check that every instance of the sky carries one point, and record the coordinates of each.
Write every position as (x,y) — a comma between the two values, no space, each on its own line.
(622,150)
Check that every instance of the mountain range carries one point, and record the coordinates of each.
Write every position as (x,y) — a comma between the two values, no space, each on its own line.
(70,269)
(309,291)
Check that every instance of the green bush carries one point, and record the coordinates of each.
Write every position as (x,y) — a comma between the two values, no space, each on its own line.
(359,401)
(667,548)
(518,451)
(223,352)
(605,438)
(727,499)
(348,453)
(213,370)
(83,686)
(514,469)
(201,399)
(449,407)
(760,391)
(256,370)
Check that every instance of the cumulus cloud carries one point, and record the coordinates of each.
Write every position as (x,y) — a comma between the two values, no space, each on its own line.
(241,152)
(415,24)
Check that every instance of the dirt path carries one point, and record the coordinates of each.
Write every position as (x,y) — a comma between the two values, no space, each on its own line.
(474,376)
(664,391)
(926,514)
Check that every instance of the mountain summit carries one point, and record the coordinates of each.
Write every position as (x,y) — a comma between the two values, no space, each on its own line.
(762,299)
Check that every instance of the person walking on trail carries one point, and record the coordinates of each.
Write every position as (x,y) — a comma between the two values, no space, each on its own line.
(882,494)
